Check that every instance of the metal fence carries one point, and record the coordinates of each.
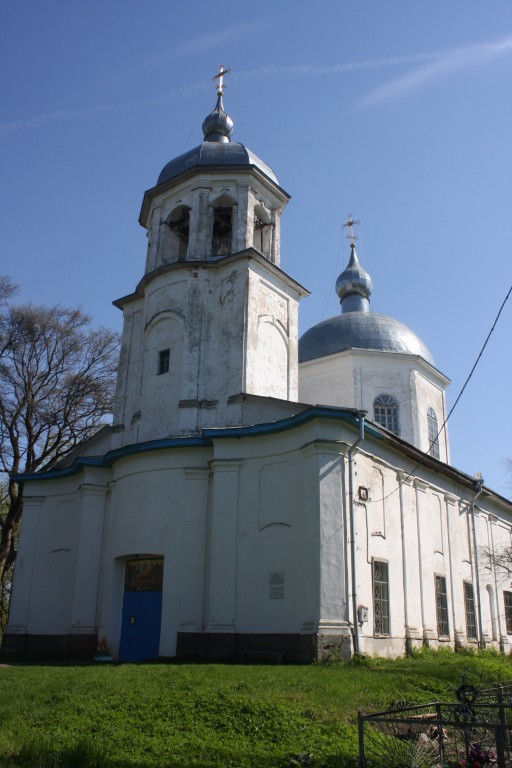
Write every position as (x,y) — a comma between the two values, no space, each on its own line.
(472,733)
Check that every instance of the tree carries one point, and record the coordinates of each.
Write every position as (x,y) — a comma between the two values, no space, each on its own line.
(500,560)
(57,379)
(7,288)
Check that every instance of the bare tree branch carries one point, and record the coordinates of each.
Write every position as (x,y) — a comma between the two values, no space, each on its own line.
(499,560)
(57,382)
(7,289)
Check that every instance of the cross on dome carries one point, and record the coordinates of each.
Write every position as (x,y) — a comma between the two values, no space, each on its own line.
(218,126)
(220,77)
(350,223)
(354,285)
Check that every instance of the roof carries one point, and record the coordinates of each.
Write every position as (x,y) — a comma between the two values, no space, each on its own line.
(217,154)
(350,416)
(360,330)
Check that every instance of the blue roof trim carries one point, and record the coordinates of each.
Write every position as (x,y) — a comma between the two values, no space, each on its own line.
(206,440)
(106,461)
(317,411)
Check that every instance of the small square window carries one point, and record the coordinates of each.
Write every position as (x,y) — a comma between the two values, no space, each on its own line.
(164,359)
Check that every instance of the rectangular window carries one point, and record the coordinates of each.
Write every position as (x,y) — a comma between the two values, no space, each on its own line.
(442,606)
(380,598)
(508,611)
(469,604)
(164,358)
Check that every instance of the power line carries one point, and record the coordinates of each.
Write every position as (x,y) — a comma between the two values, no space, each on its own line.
(479,356)
(413,470)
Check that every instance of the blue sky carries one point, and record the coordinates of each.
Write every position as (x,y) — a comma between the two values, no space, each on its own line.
(398,112)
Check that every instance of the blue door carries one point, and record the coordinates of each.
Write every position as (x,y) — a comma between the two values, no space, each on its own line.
(142,610)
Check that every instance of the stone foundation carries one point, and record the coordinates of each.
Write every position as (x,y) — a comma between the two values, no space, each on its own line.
(291,648)
(75,646)
(333,647)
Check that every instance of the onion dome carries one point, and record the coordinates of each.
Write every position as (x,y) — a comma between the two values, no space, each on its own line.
(357,327)
(218,126)
(354,286)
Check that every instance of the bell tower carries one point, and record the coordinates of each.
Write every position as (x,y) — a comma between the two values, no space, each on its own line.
(214,317)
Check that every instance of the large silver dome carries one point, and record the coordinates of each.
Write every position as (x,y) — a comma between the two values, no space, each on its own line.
(360,330)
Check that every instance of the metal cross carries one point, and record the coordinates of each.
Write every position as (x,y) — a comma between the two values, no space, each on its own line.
(222,71)
(350,224)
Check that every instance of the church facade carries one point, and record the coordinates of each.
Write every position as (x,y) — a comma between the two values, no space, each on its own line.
(257,495)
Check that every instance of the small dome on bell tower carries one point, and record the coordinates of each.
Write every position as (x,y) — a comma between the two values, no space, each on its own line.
(218,126)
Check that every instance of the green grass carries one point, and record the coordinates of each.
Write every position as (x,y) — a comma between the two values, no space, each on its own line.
(213,715)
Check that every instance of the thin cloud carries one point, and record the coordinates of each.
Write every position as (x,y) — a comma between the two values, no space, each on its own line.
(215,38)
(197,45)
(63,115)
(315,70)
(438,64)
(454,60)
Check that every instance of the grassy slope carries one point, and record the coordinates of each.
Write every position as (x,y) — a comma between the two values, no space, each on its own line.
(208,716)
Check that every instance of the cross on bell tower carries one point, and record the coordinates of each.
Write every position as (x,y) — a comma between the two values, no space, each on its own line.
(220,77)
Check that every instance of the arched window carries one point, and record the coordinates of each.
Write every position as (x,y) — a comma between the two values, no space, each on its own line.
(433,433)
(385,413)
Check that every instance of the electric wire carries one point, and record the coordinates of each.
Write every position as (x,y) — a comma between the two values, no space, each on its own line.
(413,470)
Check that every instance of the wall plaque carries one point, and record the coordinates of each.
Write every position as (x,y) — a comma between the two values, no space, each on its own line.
(276,585)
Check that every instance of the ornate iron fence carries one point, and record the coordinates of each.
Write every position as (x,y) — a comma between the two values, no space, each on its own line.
(472,733)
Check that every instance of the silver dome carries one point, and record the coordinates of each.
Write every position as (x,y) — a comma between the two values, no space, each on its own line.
(354,279)
(217,150)
(209,154)
(360,330)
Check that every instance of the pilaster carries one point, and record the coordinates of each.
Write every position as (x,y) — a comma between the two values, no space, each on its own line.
(84,612)
(405,482)
(428,631)
(223,546)
(23,574)
(193,550)
(455,580)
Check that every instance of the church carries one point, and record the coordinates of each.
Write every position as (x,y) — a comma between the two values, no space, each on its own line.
(257,496)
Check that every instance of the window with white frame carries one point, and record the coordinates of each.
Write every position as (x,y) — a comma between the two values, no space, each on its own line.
(380,597)
(442,607)
(469,606)
(385,413)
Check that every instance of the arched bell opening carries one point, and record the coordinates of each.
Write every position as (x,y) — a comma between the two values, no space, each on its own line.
(179,228)
(222,226)
(262,231)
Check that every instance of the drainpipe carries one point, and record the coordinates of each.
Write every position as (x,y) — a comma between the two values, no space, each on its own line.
(479,484)
(351,450)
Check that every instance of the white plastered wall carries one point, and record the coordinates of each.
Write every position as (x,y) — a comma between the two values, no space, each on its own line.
(354,378)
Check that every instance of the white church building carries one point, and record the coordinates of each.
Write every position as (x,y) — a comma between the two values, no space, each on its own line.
(257,495)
